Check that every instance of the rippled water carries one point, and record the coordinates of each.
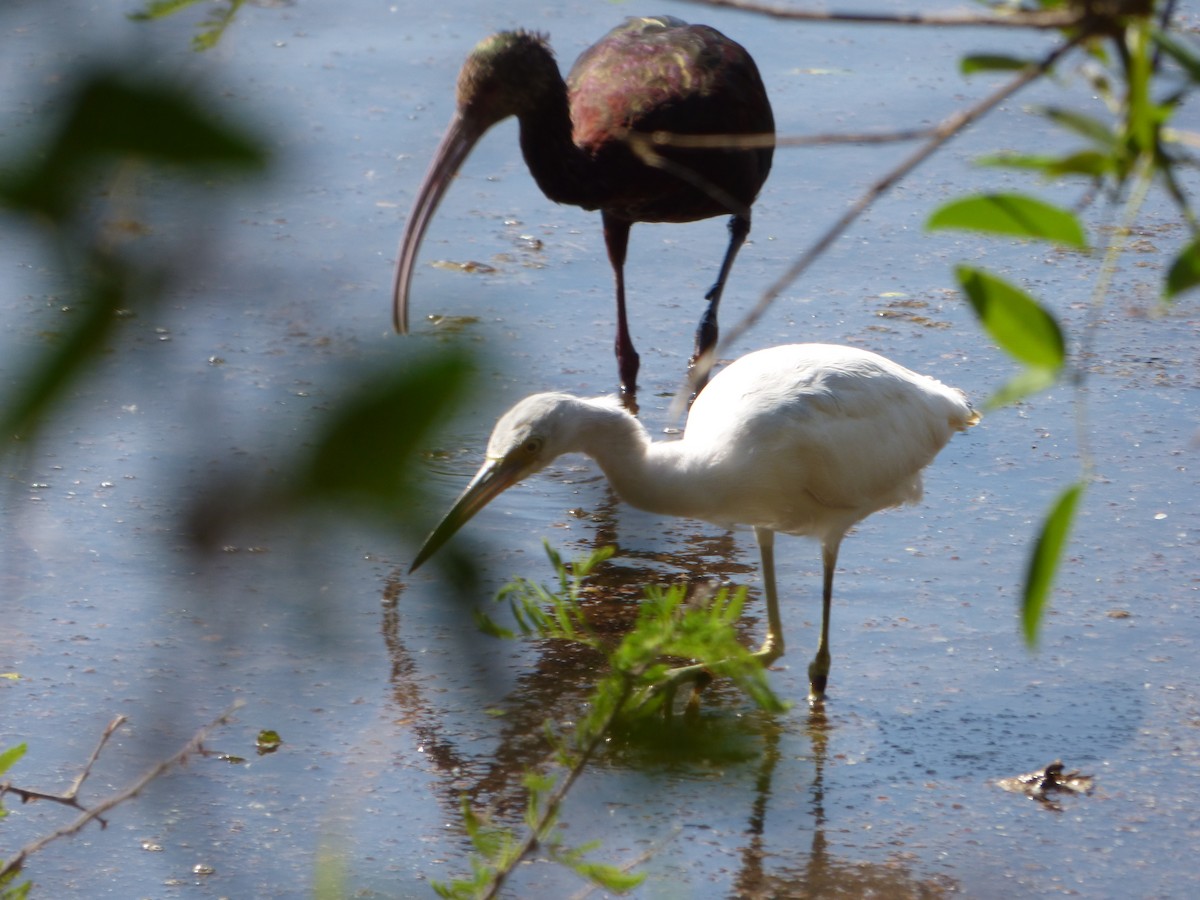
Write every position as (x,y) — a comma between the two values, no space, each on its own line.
(381,690)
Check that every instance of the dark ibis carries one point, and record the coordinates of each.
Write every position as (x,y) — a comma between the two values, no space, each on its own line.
(654,74)
(805,439)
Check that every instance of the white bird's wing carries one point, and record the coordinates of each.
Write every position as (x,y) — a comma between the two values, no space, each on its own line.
(842,432)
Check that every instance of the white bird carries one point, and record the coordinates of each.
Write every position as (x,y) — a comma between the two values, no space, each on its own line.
(806,439)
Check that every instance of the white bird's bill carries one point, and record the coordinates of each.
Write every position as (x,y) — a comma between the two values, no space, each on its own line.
(493,478)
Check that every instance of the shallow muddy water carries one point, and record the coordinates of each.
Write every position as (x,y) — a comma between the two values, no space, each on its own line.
(384,694)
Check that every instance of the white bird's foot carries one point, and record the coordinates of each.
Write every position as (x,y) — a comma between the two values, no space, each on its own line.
(818,678)
(697,675)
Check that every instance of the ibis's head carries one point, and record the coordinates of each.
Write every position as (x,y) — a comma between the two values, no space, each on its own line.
(527,438)
(507,74)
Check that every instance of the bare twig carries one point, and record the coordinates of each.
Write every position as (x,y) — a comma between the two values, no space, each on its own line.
(1055,19)
(754,141)
(548,813)
(949,128)
(116,723)
(69,797)
(645,145)
(96,812)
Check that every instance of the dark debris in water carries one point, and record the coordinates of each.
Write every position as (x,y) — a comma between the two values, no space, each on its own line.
(1046,783)
(471,266)
(452,324)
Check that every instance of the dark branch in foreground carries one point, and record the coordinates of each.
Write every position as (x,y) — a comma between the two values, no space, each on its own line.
(949,128)
(68,797)
(96,813)
(1055,19)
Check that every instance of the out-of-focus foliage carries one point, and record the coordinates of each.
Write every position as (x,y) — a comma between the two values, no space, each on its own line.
(1012,214)
(1141,72)
(1043,561)
(113,128)
(210,30)
(111,121)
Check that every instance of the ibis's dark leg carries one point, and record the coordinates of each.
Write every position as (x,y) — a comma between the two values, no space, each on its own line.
(818,669)
(616,240)
(707,333)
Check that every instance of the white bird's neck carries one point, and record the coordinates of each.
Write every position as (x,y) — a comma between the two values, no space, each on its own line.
(652,475)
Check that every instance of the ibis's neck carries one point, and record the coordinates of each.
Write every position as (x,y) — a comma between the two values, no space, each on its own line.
(564,172)
(659,477)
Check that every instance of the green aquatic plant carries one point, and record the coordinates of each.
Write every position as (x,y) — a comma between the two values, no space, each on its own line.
(635,686)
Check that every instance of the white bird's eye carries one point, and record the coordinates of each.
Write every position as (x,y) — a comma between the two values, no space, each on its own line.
(533,446)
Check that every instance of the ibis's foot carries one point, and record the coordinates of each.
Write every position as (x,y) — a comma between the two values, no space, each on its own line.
(629,400)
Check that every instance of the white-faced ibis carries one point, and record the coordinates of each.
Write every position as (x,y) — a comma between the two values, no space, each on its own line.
(806,439)
(654,74)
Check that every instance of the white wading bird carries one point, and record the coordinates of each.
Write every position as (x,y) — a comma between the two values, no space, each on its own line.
(806,439)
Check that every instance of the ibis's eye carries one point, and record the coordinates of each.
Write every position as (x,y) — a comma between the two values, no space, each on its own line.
(533,446)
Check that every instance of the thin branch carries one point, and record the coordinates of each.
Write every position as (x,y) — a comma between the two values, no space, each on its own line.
(549,812)
(70,796)
(1054,19)
(1143,178)
(116,723)
(949,128)
(642,140)
(194,745)
(645,145)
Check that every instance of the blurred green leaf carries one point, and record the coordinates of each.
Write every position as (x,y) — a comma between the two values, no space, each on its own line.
(1014,320)
(112,118)
(160,9)
(1089,163)
(211,30)
(1143,115)
(359,453)
(1095,130)
(990,62)
(609,877)
(1028,381)
(1187,57)
(1184,273)
(10,757)
(1044,560)
(1012,214)
(93,321)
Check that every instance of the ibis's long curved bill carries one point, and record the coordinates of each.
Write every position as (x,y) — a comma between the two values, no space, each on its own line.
(493,478)
(460,137)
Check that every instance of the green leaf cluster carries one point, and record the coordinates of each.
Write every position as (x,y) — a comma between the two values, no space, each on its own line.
(638,685)
(210,30)
(1142,72)
(9,889)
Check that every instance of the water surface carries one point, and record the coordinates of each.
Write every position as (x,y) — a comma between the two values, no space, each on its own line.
(381,690)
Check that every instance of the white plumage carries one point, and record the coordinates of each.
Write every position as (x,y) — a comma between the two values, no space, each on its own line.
(805,439)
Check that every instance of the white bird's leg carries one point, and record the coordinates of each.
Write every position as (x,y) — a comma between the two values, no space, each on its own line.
(818,669)
(772,647)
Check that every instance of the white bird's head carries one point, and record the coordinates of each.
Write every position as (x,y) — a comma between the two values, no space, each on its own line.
(528,437)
